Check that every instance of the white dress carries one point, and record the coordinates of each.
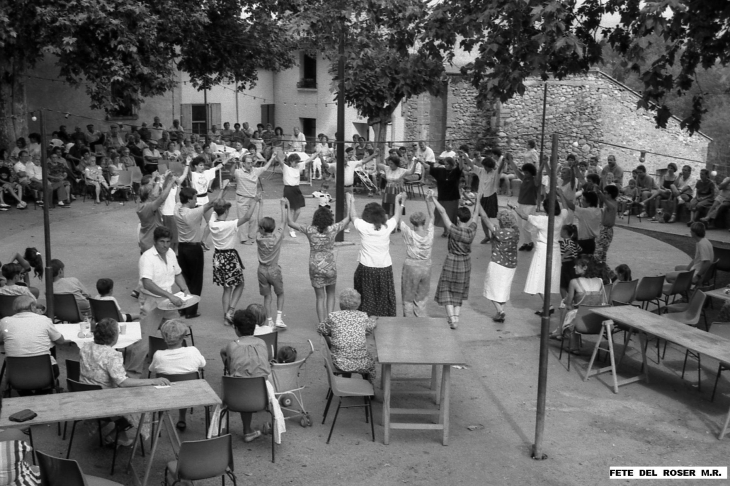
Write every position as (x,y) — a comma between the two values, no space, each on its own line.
(538,226)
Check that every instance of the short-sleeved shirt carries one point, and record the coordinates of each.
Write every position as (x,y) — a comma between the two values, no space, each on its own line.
(168,207)
(161,272)
(618,173)
(646,183)
(418,247)
(447,182)
(101,365)
(528,191)
(292,175)
(426,155)
(590,222)
(460,238)
(149,219)
(201,181)
(223,232)
(703,253)
(705,188)
(488,180)
(71,285)
(374,244)
(16,290)
(189,223)
(28,334)
(504,249)
(177,361)
(247,357)
(394,175)
(349,170)
(247,182)
(568,250)
(269,246)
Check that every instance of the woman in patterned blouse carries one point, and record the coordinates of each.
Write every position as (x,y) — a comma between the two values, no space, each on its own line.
(501,269)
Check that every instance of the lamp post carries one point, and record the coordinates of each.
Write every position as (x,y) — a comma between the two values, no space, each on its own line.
(340,176)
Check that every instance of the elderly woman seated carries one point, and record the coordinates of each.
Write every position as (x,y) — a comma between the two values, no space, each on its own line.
(102,365)
(345,331)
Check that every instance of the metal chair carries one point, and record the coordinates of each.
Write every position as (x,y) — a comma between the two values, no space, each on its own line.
(272,343)
(247,395)
(65,308)
(690,317)
(412,186)
(681,286)
(723,260)
(203,459)
(649,291)
(101,309)
(588,321)
(56,471)
(6,305)
(346,388)
(624,291)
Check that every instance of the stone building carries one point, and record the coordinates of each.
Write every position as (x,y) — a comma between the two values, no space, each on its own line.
(593,114)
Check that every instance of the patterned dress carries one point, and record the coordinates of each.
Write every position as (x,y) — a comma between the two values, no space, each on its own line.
(346,331)
(453,286)
(501,269)
(322,263)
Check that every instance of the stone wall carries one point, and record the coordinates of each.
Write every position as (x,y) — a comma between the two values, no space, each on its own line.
(465,124)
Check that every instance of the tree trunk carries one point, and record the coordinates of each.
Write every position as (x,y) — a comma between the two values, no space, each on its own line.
(381,130)
(13,105)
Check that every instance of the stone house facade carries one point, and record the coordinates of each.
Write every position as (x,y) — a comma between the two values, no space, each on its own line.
(593,114)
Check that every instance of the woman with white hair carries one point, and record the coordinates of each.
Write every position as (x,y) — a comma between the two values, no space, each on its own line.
(415,281)
(345,332)
(501,269)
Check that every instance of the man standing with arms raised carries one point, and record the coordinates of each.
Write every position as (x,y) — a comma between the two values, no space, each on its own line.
(247,181)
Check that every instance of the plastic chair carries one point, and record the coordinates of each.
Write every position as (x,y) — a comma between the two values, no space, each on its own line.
(681,286)
(345,388)
(723,260)
(707,281)
(136,174)
(66,472)
(101,309)
(248,395)
(65,308)
(30,373)
(6,305)
(73,369)
(649,291)
(721,329)
(124,183)
(272,343)
(624,291)
(587,322)
(203,459)
(155,344)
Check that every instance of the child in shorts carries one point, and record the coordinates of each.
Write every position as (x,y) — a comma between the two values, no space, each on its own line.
(105,287)
(268,241)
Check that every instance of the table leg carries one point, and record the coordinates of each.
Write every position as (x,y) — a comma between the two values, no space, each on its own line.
(436,384)
(386,404)
(137,440)
(643,338)
(724,427)
(626,346)
(445,391)
(153,448)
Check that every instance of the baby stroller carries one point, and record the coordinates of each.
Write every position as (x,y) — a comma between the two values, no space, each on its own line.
(365,180)
(285,378)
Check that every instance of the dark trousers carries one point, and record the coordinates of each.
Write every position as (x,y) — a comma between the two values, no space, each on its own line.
(587,247)
(191,260)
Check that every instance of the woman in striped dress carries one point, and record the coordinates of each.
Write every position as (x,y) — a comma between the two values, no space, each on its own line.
(394,175)
(453,286)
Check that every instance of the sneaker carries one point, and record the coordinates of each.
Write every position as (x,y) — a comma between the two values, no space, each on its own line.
(292,233)
(22,205)
(346,230)
(3,209)
(39,202)
(626,213)
(280,324)
(61,204)
(3,205)
(643,215)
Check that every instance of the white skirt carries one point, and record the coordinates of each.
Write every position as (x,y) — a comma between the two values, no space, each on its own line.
(535,283)
(498,282)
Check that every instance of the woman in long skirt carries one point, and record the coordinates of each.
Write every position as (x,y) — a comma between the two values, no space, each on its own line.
(394,175)
(501,269)
(374,274)
(227,265)
(537,224)
(453,286)
(415,280)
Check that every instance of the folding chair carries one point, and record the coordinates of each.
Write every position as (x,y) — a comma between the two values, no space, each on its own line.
(203,459)
(248,395)
(65,308)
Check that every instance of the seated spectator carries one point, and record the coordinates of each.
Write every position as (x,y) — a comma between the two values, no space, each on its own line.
(703,258)
(345,332)
(152,157)
(58,180)
(586,288)
(623,273)
(667,190)
(29,333)
(629,193)
(19,145)
(176,359)
(704,195)
(9,187)
(646,186)
(248,357)
(30,176)
(70,285)
(94,176)
(685,185)
(722,202)
(14,469)
(105,287)
(126,158)
(102,365)
(13,274)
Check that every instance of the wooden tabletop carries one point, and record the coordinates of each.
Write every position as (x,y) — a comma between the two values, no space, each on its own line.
(110,402)
(718,294)
(662,327)
(415,340)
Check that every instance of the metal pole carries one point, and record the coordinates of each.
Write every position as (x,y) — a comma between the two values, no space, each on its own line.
(545,321)
(340,176)
(207,113)
(47,199)
(542,134)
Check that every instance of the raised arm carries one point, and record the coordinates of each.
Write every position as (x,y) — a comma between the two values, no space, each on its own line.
(429,207)
(352,210)
(400,200)
(184,175)
(169,179)
(564,201)
(485,219)
(346,220)
(516,169)
(269,162)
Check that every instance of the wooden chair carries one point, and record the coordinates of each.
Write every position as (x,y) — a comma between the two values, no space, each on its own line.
(416,186)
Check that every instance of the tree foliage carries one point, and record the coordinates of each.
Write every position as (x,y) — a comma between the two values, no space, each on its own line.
(513,40)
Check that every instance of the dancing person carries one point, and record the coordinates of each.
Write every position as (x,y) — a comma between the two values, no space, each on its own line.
(322,264)
(269,241)
(416,274)
(394,175)
(527,198)
(151,197)
(608,221)
(167,210)
(158,272)
(189,219)
(448,181)
(453,286)
(227,265)
(374,274)
(501,268)
(535,283)
(568,255)
(488,175)
(589,220)
(247,178)
(291,174)
(345,331)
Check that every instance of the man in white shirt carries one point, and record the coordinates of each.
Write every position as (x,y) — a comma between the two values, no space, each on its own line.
(93,136)
(448,151)
(298,141)
(151,157)
(156,129)
(167,210)
(247,182)
(239,151)
(158,272)
(424,153)
(30,176)
(114,138)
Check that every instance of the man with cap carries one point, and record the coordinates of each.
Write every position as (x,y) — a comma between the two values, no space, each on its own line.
(151,156)
(114,138)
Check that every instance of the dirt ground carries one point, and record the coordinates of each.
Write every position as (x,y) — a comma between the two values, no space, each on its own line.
(588,428)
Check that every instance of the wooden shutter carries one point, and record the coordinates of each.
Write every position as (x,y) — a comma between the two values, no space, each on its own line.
(267,114)
(215,115)
(186,116)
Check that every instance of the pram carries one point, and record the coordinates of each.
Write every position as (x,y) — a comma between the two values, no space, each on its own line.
(365,180)
(285,378)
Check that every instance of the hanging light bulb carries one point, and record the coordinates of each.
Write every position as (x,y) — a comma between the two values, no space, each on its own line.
(34,118)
